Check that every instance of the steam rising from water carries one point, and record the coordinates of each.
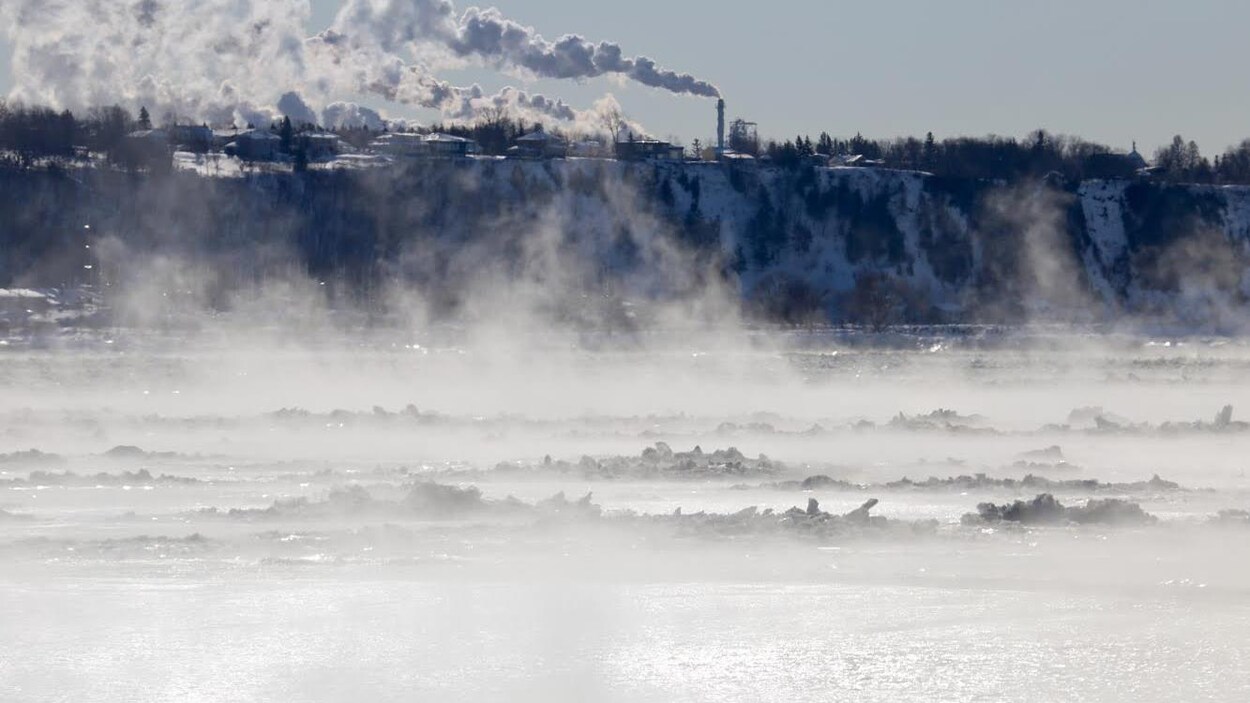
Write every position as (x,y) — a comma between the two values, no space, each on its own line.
(211,506)
(589,486)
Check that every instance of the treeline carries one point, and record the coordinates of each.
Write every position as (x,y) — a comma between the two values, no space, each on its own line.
(1039,155)
(30,134)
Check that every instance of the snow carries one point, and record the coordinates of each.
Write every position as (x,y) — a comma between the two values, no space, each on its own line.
(21,294)
(729,197)
(209,165)
(1102,202)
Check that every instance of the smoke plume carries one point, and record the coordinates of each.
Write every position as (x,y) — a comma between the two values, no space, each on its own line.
(229,60)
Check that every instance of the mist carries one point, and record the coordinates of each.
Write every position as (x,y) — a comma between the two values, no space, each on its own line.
(602,482)
(581,428)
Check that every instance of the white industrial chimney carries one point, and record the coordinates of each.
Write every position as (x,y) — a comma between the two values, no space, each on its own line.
(720,127)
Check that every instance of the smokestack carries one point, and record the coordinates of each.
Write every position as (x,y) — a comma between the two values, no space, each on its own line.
(720,126)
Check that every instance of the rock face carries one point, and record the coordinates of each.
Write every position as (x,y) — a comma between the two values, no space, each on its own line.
(863,245)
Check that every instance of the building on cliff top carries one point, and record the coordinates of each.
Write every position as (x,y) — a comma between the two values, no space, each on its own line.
(255,145)
(1112,166)
(400,144)
(634,149)
(539,145)
(441,145)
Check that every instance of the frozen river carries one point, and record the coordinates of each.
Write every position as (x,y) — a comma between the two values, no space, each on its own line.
(247,519)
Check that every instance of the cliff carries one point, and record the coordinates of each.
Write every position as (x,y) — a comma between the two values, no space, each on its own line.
(860,245)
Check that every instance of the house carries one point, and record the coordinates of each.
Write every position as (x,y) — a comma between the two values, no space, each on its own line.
(588,148)
(400,144)
(539,145)
(255,145)
(730,157)
(148,141)
(194,138)
(854,161)
(817,160)
(222,137)
(319,146)
(146,148)
(441,145)
(648,150)
(1115,166)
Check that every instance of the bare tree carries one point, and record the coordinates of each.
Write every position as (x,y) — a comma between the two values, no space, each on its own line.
(613,122)
(493,115)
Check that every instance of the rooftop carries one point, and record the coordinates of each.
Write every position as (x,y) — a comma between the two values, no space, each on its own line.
(538,136)
(257,134)
(447,138)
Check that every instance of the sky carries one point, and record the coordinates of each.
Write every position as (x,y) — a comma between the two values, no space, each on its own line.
(1114,71)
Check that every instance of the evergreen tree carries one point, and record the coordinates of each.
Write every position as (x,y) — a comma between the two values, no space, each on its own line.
(145,120)
(859,144)
(287,133)
(825,144)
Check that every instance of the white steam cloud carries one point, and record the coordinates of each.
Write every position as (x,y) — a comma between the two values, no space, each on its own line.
(343,115)
(230,60)
(486,34)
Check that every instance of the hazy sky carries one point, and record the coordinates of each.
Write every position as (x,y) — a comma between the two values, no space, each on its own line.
(1108,70)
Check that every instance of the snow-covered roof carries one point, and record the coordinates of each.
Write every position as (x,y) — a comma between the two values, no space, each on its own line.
(538,136)
(447,138)
(643,140)
(362,158)
(148,134)
(258,134)
(400,137)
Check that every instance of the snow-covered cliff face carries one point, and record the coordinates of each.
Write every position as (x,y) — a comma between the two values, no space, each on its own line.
(853,241)
(816,244)
(1180,251)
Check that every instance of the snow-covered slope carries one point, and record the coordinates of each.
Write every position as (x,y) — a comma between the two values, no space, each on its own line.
(837,244)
